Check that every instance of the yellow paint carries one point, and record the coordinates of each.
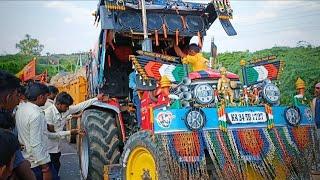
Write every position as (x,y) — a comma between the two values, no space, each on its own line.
(77,88)
(251,174)
(140,160)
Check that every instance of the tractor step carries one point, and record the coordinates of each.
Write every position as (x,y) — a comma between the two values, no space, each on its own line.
(112,172)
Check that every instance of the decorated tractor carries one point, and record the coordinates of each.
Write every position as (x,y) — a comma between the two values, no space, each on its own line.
(192,123)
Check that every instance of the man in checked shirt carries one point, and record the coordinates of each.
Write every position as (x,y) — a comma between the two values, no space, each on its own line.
(56,116)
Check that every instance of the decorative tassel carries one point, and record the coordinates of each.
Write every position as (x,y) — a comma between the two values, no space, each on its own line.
(177,37)
(184,22)
(222,119)
(156,37)
(270,122)
(164,31)
(109,61)
(199,39)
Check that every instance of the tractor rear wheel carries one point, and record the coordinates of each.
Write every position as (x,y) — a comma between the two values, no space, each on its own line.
(101,145)
(143,159)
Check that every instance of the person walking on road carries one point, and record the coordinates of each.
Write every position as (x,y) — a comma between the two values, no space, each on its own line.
(56,116)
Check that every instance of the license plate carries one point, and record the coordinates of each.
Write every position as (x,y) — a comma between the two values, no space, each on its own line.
(247,117)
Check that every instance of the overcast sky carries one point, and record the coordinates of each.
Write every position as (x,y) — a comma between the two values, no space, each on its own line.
(67,26)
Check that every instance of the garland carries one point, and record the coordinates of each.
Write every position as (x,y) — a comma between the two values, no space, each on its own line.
(224,160)
(222,118)
(281,152)
(184,154)
(270,122)
(256,149)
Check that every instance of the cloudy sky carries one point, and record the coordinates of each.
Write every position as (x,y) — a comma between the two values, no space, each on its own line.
(67,26)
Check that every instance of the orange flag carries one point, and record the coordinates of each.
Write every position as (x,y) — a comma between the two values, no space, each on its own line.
(29,71)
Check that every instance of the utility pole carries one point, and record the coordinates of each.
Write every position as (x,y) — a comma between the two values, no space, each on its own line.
(147,42)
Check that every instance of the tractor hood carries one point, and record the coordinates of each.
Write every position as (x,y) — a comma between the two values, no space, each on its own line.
(188,19)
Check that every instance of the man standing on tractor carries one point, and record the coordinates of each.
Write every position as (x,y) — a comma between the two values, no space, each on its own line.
(194,57)
(56,116)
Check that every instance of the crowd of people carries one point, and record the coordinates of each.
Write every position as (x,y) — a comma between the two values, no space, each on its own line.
(32,121)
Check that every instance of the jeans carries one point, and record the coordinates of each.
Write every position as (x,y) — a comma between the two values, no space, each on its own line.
(137,103)
(55,160)
(38,172)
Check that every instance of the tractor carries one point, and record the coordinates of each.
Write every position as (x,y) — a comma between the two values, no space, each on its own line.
(206,124)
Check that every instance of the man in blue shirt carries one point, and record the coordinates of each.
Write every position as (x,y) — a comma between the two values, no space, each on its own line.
(316,105)
(135,98)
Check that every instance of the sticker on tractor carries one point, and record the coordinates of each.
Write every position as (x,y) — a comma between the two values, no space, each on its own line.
(308,114)
(164,119)
(247,117)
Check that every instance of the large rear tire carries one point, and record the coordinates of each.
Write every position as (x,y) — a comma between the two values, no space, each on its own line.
(101,145)
(143,159)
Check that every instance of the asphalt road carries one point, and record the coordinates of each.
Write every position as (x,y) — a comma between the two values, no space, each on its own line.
(69,169)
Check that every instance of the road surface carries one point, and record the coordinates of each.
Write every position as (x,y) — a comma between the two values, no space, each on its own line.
(69,163)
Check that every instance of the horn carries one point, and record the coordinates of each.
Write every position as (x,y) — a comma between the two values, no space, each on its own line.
(173,96)
(186,81)
(183,89)
(185,104)
(186,96)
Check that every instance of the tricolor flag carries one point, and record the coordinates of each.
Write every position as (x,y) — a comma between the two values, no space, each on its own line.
(255,73)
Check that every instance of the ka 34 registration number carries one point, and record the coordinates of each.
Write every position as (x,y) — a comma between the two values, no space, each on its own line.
(247,117)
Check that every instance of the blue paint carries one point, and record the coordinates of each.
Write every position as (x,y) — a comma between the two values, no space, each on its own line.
(177,124)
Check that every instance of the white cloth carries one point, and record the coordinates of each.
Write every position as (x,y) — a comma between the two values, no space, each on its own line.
(31,126)
(58,120)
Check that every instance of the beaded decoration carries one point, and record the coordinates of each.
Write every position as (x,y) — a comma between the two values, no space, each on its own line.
(255,148)
(277,153)
(185,154)
(224,159)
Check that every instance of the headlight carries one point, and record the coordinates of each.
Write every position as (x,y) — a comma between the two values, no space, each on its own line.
(292,115)
(203,93)
(195,119)
(271,93)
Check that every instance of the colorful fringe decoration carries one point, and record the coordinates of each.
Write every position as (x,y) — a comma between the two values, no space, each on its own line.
(222,118)
(270,122)
(223,155)
(185,155)
(277,153)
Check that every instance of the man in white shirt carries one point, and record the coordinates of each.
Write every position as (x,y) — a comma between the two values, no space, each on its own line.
(32,131)
(56,116)
(53,91)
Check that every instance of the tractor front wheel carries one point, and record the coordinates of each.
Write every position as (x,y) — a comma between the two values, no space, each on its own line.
(142,158)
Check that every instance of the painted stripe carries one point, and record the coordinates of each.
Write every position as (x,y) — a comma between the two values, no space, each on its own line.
(262,73)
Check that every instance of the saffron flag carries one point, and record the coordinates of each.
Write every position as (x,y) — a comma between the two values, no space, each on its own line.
(29,71)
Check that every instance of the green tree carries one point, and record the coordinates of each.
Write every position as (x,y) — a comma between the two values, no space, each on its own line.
(29,46)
